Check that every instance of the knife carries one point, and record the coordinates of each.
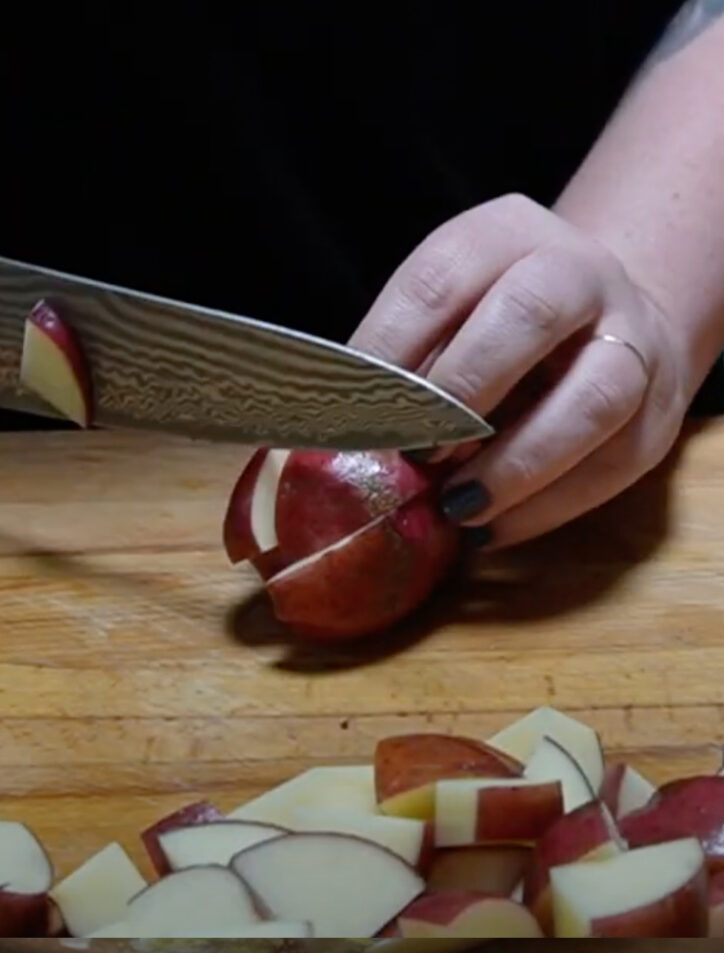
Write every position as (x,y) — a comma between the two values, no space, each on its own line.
(167,366)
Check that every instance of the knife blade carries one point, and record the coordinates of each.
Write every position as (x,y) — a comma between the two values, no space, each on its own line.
(164,365)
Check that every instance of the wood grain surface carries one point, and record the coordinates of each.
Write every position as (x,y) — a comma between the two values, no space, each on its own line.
(139,671)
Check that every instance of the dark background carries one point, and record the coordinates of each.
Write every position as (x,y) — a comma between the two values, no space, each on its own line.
(280,159)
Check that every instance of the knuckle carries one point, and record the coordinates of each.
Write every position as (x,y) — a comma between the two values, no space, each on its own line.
(522,304)
(465,383)
(522,470)
(605,403)
(512,203)
(430,281)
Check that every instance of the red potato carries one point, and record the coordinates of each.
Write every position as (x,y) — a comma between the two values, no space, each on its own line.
(657,891)
(692,807)
(53,365)
(715,901)
(370,580)
(586,834)
(26,875)
(624,790)
(270,563)
(475,811)
(200,812)
(304,501)
(323,496)
(407,767)
(494,871)
(347,543)
(466,914)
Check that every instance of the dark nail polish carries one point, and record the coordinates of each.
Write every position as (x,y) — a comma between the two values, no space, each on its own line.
(421,455)
(475,537)
(464,501)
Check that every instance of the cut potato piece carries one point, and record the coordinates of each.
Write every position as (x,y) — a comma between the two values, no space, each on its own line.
(25,867)
(53,365)
(690,807)
(474,811)
(587,834)
(520,740)
(652,892)
(551,762)
(206,901)
(96,894)
(351,788)
(344,886)
(407,767)
(403,836)
(213,843)
(493,870)
(625,790)
(199,812)
(25,878)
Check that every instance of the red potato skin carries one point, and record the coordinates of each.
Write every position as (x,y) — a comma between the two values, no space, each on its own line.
(24,915)
(45,317)
(322,497)
(517,814)
(495,871)
(691,807)
(682,915)
(568,840)
(271,563)
(200,812)
(239,540)
(406,762)
(373,581)
(325,496)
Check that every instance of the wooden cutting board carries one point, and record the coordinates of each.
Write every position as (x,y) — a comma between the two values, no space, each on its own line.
(138,671)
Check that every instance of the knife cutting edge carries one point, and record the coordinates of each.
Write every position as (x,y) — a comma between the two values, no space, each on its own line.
(163,365)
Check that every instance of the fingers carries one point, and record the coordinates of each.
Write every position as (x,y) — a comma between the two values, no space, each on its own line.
(602,391)
(435,289)
(540,302)
(615,466)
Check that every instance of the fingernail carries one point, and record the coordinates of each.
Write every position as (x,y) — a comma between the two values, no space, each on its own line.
(464,501)
(476,537)
(421,455)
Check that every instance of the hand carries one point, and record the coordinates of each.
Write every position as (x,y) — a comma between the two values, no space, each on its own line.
(499,292)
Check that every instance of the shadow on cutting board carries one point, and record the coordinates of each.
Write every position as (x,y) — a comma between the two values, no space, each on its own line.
(547,578)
